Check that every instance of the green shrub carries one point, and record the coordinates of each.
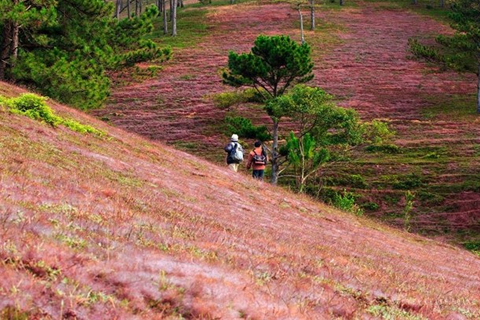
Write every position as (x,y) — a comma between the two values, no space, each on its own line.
(226,100)
(3,103)
(244,128)
(384,148)
(371,206)
(346,202)
(410,181)
(82,128)
(354,181)
(34,107)
(430,198)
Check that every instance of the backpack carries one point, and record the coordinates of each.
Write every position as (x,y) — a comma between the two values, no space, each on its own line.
(259,159)
(235,151)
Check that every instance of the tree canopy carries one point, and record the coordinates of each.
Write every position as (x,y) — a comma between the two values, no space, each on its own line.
(65,48)
(274,64)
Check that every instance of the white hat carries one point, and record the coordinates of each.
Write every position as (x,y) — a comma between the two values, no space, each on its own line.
(234,137)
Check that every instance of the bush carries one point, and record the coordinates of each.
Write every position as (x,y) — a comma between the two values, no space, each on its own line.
(34,107)
(226,100)
(384,148)
(371,206)
(244,128)
(410,181)
(346,202)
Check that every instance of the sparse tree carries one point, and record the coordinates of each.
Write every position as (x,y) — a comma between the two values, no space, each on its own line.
(321,127)
(274,64)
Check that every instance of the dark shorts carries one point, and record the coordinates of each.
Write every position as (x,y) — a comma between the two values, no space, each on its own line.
(258,174)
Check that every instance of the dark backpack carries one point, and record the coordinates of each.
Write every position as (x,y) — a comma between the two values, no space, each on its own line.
(259,159)
(235,152)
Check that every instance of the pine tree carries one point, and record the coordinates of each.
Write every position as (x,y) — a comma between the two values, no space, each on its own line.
(65,47)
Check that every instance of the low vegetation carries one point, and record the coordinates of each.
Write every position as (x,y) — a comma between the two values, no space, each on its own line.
(34,107)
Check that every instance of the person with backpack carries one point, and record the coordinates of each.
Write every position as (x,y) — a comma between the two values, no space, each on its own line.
(257,160)
(234,152)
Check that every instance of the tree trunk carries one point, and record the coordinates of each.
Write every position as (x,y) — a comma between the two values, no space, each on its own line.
(442,4)
(171,10)
(15,42)
(6,49)
(164,15)
(301,25)
(118,8)
(414,2)
(128,9)
(174,18)
(341,2)
(312,14)
(180,4)
(274,161)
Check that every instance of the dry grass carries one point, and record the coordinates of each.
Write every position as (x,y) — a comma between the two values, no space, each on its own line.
(120,227)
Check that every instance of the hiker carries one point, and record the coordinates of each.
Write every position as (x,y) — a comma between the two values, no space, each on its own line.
(257,159)
(234,153)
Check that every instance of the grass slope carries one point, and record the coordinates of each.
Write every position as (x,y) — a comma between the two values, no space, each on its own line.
(119,227)
(361,56)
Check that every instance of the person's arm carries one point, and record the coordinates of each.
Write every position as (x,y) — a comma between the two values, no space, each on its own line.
(249,161)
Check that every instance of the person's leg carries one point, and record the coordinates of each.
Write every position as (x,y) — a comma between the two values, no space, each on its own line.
(233,166)
(257,174)
(260,174)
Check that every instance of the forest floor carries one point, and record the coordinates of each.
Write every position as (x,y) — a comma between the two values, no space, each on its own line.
(361,56)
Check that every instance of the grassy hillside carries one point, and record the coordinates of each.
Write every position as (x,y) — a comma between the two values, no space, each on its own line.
(120,227)
(361,56)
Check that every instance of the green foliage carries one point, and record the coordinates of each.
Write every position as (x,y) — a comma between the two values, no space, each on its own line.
(384,148)
(409,197)
(409,181)
(430,198)
(346,202)
(371,206)
(34,107)
(305,156)
(378,132)
(67,47)
(274,64)
(353,180)
(313,112)
(244,128)
(225,100)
